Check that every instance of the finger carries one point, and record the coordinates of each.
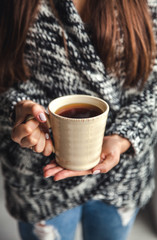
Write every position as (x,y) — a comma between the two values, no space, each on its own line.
(48,147)
(68,173)
(106,165)
(39,147)
(50,165)
(32,139)
(23,130)
(25,108)
(52,171)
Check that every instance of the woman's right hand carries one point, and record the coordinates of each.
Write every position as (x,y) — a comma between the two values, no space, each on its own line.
(33,133)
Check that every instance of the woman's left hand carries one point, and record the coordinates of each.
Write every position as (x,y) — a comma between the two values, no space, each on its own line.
(112,147)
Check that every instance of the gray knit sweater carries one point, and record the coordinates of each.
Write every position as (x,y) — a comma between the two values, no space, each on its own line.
(133,115)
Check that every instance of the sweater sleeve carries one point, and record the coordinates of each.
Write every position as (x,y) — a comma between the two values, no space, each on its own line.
(137,118)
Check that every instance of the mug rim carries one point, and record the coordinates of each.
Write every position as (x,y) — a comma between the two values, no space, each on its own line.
(78,119)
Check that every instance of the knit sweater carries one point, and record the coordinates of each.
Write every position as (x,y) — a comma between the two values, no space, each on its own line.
(133,115)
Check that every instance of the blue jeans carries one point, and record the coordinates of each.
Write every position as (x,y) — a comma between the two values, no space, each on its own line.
(100,221)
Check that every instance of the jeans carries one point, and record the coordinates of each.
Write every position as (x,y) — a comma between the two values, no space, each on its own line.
(100,221)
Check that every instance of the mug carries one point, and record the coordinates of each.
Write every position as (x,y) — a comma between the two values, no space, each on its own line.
(77,141)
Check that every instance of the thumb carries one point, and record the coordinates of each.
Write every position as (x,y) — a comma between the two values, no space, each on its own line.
(106,164)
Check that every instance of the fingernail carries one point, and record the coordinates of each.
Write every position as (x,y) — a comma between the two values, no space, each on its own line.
(42,117)
(96,172)
(47,136)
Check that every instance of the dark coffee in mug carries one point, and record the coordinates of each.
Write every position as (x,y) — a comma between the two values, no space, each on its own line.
(79,110)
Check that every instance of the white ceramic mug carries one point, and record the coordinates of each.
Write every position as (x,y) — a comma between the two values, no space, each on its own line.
(78,142)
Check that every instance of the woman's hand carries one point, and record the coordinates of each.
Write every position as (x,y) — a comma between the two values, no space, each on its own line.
(112,147)
(34,133)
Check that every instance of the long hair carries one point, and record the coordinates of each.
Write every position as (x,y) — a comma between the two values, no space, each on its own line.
(134,20)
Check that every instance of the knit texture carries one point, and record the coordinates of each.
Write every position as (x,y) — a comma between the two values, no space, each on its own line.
(133,115)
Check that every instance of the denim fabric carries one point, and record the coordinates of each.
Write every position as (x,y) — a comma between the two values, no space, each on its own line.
(100,221)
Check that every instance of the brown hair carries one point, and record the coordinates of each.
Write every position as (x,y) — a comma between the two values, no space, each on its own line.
(134,20)
(15,18)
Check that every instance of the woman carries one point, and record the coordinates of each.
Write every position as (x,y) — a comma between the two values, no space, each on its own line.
(51,48)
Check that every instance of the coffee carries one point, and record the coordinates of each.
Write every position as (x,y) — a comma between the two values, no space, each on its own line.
(79,110)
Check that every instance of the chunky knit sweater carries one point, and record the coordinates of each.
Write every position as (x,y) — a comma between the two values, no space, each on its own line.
(133,115)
